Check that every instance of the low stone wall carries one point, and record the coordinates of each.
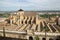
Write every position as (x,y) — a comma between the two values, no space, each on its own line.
(8,38)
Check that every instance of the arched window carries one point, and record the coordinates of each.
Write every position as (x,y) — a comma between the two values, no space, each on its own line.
(26,22)
(43,38)
(30,38)
(22,22)
(29,21)
(57,37)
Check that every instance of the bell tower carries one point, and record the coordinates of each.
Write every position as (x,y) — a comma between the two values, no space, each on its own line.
(20,12)
(20,15)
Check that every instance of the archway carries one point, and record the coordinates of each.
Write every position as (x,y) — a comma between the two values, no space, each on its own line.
(50,39)
(57,37)
(43,38)
(30,38)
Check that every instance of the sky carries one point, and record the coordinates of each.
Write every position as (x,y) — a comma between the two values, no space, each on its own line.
(13,5)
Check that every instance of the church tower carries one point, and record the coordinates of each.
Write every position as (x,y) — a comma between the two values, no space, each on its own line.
(20,15)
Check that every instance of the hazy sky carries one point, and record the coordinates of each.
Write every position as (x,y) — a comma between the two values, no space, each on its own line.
(10,5)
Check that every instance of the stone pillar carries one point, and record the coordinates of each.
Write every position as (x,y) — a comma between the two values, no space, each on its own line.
(37,21)
(11,19)
(39,29)
(24,20)
(59,21)
(40,38)
(14,19)
(32,20)
(11,22)
(47,38)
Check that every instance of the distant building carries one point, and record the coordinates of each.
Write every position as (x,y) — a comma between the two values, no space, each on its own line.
(27,25)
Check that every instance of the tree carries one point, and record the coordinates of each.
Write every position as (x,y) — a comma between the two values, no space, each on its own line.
(4,32)
(36,38)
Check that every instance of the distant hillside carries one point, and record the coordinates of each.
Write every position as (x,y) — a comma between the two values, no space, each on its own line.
(5,13)
(45,13)
(2,12)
